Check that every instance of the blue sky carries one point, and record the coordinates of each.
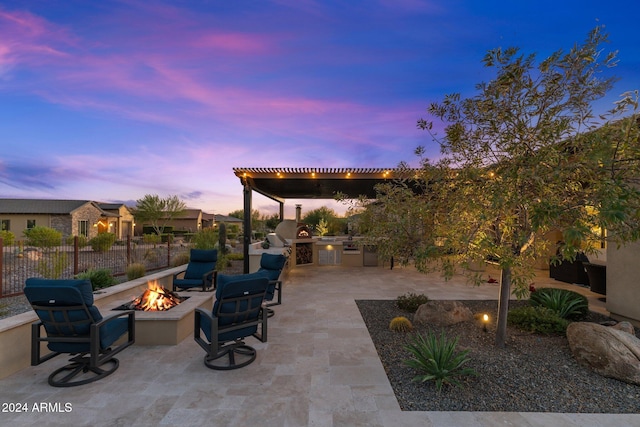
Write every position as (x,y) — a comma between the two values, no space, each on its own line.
(112,100)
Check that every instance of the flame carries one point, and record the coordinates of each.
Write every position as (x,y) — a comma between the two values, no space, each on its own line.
(156,298)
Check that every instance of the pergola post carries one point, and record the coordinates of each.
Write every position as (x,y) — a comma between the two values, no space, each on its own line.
(247,225)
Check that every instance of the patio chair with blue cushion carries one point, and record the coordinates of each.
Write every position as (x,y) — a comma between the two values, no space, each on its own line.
(74,326)
(237,313)
(272,265)
(200,273)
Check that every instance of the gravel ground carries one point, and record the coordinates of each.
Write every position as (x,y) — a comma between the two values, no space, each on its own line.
(11,306)
(533,373)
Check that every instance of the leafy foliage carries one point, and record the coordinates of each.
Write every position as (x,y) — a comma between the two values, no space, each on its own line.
(82,240)
(205,239)
(7,237)
(524,156)
(568,304)
(410,301)
(436,359)
(102,242)
(43,237)
(152,239)
(538,319)
(100,278)
(158,211)
(400,324)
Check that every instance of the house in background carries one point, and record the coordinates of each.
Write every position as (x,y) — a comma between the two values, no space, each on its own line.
(122,224)
(69,217)
(192,221)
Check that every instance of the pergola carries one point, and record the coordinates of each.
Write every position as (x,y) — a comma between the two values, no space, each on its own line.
(279,184)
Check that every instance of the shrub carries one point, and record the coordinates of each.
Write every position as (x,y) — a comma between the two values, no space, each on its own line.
(400,324)
(52,266)
(436,359)
(180,259)
(43,237)
(102,242)
(410,302)
(568,304)
(236,256)
(151,239)
(7,237)
(100,278)
(135,271)
(205,239)
(538,319)
(82,240)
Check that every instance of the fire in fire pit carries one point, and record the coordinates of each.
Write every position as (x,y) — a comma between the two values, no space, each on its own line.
(155,298)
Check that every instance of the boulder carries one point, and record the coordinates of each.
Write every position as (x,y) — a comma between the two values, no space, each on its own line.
(607,351)
(442,313)
(625,327)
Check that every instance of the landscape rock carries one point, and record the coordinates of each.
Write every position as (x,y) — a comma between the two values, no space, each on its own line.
(607,351)
(625,327)
(442,313)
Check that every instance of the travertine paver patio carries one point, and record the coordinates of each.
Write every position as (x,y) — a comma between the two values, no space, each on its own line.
(319,368)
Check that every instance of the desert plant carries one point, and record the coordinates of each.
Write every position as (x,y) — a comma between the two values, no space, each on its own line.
(180,259)
(222,238)
(400,324)
(135,271)
(568,304)
(436,359)
(43,237)
(151,239)
(82,240)
(7,237)
(205,239)
(410,301)
(538,319)
(52,267)
(102,242)
(100,278)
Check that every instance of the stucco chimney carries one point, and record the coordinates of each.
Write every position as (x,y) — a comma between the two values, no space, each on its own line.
(298,213)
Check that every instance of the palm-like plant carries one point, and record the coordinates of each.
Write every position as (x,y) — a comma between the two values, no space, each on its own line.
(436,359)
(568,304)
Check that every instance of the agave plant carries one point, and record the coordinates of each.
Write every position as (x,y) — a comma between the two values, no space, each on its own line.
(436,359)
(568,304)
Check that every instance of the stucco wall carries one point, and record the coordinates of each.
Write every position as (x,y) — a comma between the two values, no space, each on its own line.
(623,283)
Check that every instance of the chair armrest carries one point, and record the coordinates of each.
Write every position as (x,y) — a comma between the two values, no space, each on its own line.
(212,346)
(213,274)
(94,332)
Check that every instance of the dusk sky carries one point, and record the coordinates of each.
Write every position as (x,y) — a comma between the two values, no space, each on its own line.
(112,100)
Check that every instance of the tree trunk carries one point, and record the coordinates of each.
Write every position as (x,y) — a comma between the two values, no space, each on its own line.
(503,307)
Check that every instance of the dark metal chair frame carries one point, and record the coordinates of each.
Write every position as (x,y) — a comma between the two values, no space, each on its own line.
(245,307)
(84,362)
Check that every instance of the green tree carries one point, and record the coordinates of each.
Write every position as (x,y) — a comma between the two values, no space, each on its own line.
(157,211)
(271,221)
(332,224)
(521,158)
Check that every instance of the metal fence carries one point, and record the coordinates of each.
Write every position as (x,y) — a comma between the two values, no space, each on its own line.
(20,261)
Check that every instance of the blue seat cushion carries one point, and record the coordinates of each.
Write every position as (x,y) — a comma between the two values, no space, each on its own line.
(187,283)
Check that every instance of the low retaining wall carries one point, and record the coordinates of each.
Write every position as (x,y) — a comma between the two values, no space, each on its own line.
(15,331)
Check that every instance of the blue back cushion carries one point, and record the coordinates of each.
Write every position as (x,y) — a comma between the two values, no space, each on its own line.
(200,262)
(64,293)
(272,264)
(236,286)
